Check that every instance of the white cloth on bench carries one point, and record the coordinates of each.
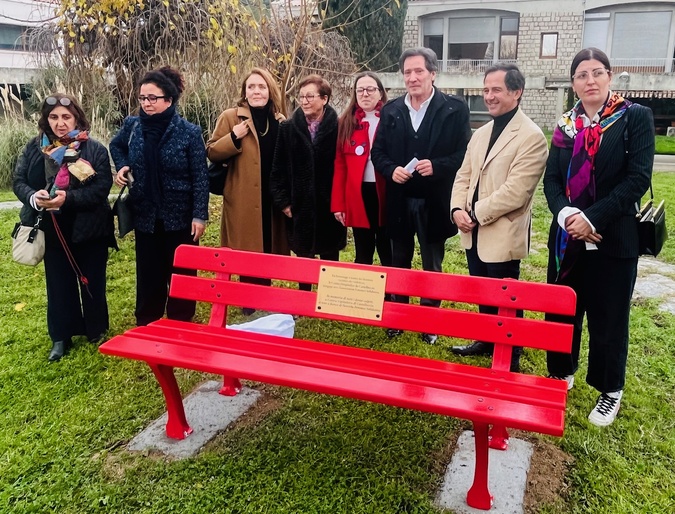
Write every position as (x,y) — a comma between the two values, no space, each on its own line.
(275,325)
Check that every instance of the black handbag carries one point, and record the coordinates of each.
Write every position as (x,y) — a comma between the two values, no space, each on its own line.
(651,224)
(124,212)
(217,175)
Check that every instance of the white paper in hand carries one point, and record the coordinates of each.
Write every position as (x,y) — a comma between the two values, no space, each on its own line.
(410,167)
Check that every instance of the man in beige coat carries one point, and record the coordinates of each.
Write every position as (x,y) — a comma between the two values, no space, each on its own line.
(492,195)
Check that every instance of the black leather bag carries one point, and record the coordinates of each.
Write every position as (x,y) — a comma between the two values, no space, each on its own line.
(123,211)
(651,223)
(217,175)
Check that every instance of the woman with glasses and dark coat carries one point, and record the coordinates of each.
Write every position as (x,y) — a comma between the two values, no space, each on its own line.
(63,177)
(599,166)
(162,159)
(302,174)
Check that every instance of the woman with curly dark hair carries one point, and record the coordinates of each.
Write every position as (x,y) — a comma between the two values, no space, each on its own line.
(162,158)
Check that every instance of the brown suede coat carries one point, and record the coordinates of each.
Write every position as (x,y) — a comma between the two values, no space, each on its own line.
(241,225)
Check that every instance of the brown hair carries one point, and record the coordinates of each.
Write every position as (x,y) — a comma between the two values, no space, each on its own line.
(81,121)
(347,121)
(272,86)
(321,84)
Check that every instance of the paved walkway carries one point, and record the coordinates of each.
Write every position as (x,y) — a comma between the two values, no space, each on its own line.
(664,163)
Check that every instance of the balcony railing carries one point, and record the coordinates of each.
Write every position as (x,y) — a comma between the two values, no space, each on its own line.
(469,66)
(656,66)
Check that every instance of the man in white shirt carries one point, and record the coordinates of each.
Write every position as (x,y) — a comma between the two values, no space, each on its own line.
(419,146)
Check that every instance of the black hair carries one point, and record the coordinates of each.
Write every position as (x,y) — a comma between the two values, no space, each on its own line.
(586,55)
(168,79)
(514,79)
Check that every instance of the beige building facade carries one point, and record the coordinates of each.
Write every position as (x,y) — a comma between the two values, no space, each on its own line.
(542,36)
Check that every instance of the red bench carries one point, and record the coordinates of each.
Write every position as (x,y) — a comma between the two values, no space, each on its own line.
(485,396)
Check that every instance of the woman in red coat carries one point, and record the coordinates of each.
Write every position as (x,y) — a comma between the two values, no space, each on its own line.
(358,192)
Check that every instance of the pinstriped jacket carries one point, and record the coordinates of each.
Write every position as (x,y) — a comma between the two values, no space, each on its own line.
(623,170)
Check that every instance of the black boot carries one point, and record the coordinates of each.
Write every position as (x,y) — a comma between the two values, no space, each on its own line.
(516,353)
(475,348)
(59,349)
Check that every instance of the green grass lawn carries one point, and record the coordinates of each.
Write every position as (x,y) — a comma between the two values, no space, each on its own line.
(64,426)
(665,145)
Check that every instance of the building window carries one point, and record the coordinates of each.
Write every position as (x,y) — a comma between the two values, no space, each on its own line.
(596,28)
(471,38)
(630,29)
(433,35)
(508,39)
(12,37)
(549,45)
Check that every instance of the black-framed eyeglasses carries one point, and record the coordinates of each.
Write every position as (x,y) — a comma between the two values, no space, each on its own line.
(150,98)
(370,90)
(52,100)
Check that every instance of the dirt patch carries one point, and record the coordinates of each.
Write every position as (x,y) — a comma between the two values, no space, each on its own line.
(268,402)
(546,480)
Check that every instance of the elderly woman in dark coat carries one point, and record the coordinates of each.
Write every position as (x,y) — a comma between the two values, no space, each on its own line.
(64,177)
(302,174)
(163,159)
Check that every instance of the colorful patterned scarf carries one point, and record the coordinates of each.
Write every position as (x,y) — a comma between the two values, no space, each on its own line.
(580,186)
(64,156)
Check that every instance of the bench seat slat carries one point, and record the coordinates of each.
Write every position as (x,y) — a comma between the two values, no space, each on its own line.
(399,392)
(525,388)
(532,333)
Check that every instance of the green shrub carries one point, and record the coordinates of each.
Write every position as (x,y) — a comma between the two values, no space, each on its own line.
(14,134)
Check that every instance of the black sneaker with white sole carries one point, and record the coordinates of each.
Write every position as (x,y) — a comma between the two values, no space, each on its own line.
(606,409)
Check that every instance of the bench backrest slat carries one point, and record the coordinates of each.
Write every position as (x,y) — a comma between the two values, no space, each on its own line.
(512,294)
(452,322)
(532,333)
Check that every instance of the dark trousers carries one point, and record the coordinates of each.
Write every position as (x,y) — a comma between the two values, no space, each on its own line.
(479,268)
(604,287)
(329,256)
(73,309)
(403,246)
(154,266)
(367,239)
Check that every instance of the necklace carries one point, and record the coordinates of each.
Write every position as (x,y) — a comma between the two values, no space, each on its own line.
(267,128)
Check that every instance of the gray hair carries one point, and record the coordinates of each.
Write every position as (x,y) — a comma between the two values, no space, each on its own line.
(430,58)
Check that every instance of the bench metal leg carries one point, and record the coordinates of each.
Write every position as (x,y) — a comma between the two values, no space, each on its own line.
(177,426)
(479,496)
(231,386)
(499,438)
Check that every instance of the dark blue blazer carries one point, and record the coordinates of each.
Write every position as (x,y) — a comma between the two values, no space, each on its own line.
(184,174)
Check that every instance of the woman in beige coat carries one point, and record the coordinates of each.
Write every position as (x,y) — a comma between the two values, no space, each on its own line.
(245,137)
